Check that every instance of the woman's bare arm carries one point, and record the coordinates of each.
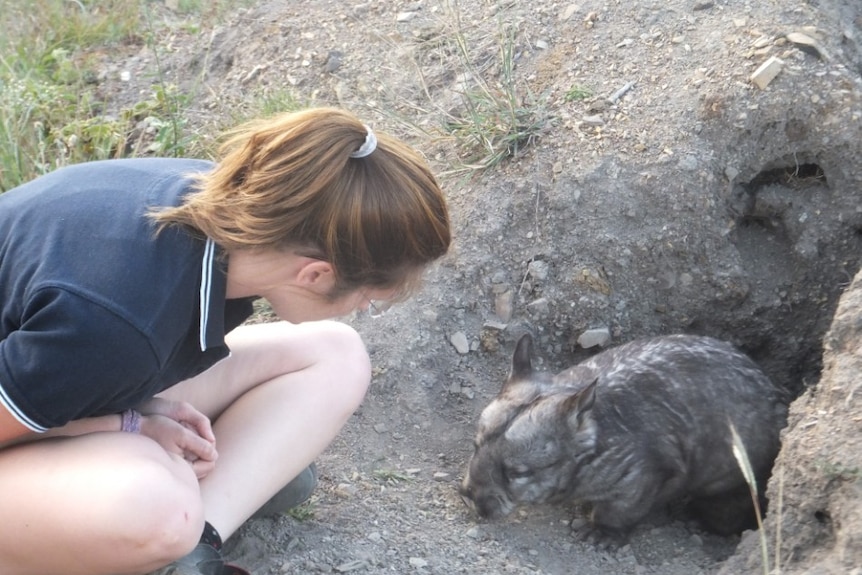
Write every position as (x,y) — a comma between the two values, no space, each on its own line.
(13,431)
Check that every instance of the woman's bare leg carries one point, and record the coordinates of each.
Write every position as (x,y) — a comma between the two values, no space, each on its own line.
(112,503)
(104,503)
(277,402)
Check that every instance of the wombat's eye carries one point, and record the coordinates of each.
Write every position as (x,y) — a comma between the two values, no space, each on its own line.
(518,472)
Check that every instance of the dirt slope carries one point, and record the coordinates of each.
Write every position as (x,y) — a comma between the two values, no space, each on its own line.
(693,202)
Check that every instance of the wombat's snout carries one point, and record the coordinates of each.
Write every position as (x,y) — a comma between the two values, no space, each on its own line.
(488,506)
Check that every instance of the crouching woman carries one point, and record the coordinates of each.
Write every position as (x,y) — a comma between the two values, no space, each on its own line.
(142,420)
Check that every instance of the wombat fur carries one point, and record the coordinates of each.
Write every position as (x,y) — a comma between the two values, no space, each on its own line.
(632,428)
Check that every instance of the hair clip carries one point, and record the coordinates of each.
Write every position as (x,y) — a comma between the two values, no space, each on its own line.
(368,146)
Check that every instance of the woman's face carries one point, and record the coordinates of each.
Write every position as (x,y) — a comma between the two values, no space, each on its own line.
(297,287)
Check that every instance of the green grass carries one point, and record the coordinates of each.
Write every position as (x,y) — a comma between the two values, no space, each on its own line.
(302,512)
(576,93)
(742,459)
(391,476)
(499,116)
(51,110)
(49,114)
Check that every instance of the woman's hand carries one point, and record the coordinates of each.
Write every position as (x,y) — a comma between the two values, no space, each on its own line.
(181,429)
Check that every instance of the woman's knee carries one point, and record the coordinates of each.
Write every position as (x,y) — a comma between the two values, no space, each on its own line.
(163,498)
(119,489)
(346,358)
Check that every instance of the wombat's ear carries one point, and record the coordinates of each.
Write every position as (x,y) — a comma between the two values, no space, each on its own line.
(579,404)
(522,366)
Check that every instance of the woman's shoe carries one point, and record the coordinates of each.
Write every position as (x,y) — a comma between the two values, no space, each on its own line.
(291,495)
(203,560)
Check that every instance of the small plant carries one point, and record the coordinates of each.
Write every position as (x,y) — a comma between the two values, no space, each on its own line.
(160,123)
(391,476)
(51,113)
(577,93)
(302,512)
(744,462)
(274,102)
(498,117)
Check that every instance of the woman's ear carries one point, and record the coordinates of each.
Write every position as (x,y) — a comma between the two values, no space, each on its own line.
(316,275)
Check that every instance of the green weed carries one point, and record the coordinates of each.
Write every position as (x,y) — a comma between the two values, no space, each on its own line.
(498,116)
(51,111)
(577,93)
(302,512)
(391,476)
(742,459)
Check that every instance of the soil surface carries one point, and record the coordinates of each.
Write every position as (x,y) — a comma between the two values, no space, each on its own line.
(662,191)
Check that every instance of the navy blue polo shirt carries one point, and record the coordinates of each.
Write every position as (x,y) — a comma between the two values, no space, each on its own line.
(98,312)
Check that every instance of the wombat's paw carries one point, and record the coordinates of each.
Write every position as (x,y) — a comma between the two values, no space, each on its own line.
(601,537)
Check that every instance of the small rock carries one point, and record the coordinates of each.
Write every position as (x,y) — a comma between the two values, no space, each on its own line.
(499,277)
(569,11)
(460,343)
(405,16)
(375,537)
(489,340)
(593,337)
(688,163)
(418,562)
(254,73)
(542,44)
(352,565)
(345,490)
(730,173)
(503,306)
(766,72)
(380,428)
(440,476)
(333,61)
(762,42)
(540,307)
(593,121)
(474,532)
(807,44)
(538,269)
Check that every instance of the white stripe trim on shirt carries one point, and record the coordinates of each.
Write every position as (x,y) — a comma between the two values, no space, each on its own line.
(206,288)
(6,402)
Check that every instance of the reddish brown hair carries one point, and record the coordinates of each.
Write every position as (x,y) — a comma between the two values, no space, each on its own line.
(290,182)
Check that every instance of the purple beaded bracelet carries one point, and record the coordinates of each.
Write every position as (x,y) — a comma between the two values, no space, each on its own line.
(131,421)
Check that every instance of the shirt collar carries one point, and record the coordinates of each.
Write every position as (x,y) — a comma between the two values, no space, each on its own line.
(212,298)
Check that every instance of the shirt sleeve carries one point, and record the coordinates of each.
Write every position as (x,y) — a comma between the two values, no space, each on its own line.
(71,358)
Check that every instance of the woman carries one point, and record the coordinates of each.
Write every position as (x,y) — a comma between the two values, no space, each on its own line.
(140,422)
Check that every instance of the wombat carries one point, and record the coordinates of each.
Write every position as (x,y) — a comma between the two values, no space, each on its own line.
(631,428)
